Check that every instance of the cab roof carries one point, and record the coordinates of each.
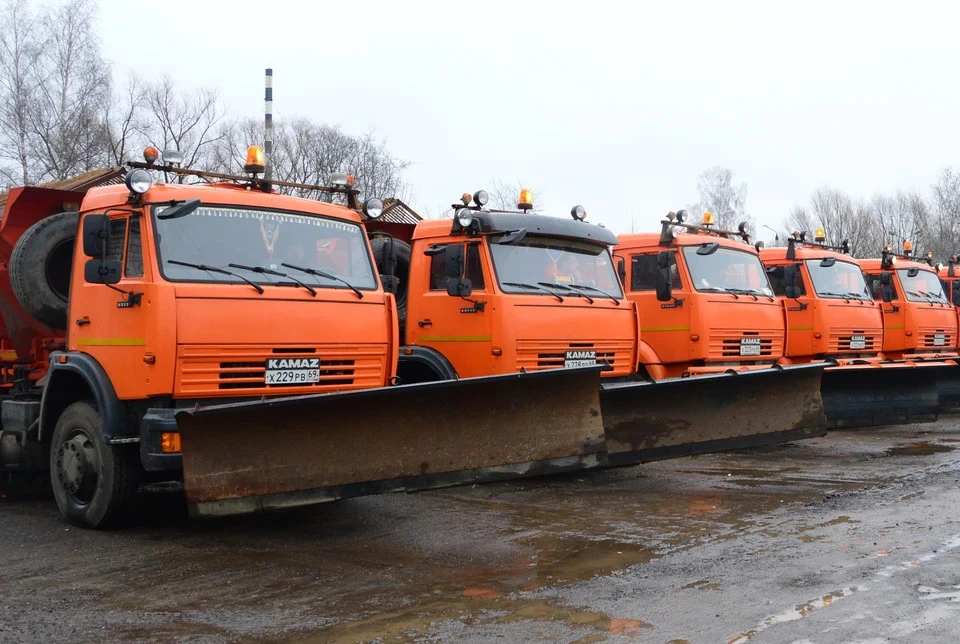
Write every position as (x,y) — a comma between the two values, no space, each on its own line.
(629,241)
(494,222)
(802,251)
(217,193)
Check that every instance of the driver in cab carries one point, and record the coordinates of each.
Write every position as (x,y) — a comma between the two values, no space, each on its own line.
(567,270)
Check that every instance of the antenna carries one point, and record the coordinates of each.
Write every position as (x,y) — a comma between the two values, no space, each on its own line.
(268,127)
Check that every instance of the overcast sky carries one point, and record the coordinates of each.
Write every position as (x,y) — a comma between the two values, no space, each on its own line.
(615,106)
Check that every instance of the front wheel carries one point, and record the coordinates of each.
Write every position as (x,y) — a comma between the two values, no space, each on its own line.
(94,483)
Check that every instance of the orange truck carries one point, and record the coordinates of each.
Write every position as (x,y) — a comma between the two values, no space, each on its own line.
(708,313)
(497,292)
(919,323)
(832,316)
(242,340)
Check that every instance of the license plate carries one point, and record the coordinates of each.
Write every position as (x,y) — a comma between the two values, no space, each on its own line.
(580,359)
(939,339)
(292,371)
(858,342)
(749,346)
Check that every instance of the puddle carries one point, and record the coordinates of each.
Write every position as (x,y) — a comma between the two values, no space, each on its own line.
(920,448)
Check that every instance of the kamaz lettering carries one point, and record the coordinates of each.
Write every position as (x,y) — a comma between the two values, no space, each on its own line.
(293,363)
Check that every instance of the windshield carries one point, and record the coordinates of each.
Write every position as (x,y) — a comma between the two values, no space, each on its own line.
(218,236)
(925,287)
(560,264)
(727,269)
(842,280)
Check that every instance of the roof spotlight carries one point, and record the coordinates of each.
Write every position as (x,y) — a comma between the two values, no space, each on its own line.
(480,197)
(578,212)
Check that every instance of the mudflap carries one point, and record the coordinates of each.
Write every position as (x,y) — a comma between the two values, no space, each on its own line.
(284,452)
(889,394)
(701,414)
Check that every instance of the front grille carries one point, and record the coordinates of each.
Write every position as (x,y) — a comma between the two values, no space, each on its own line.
(727,344)
(841,341)
(535,355)
(216,371)
(938,339)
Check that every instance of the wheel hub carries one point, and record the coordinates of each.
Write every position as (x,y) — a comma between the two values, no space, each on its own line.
(77,467)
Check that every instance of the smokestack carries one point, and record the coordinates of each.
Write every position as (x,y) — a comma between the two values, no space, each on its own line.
(268,127)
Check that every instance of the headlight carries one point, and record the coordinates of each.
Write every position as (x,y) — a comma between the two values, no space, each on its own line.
(139,181)
(464,218)
(373,208)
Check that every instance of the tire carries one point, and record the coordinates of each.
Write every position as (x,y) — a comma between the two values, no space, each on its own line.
(40,266)
(381,246)
(95,484)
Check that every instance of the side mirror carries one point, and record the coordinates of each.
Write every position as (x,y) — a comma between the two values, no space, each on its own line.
(792,281)
(886,293)
(102,271)
(622,270)
(955,288)
(459,287)
(827,262)
(513,236)
(913,272)
(885,279)
(391,284)
(708,248)
(664,286)
(96,232)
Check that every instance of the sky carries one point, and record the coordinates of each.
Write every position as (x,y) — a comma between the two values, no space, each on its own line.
(613,105)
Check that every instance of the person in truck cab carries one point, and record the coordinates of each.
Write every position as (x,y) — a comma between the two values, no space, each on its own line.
(567,270)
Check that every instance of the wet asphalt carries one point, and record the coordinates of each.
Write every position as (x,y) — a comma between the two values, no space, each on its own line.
(853,537)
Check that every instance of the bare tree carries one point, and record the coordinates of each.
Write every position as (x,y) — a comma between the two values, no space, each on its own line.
(72,91)
(125,120)
(942,234)
(719,195)
(18,58)
(184,121)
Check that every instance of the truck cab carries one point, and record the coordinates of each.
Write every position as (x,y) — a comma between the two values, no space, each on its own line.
(918,319)
(185,294)
(829,309)
(495,292)
(703,297)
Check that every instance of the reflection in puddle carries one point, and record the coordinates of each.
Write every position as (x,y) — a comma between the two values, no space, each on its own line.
(920,448)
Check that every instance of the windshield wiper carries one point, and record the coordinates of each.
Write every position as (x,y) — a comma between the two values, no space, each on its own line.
(534,286)
(269,271)
(214,269)
(846,298)
(718,289)
(326,276)
(744,291)
(859,297)
(933,299)
(596,290)
(569,289)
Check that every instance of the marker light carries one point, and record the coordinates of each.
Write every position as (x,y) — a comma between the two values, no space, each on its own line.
(139,181)
(465,198)
(820,235)
(681,216)
(464,218)
(578,212)
(708,218)
(172,157)
(341,179)
(150,154)
(526,200)
(254,163)
(373,208)
(170,442)
(480,197)
(907,247)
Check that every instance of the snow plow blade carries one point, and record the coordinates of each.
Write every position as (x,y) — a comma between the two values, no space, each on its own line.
(948,388)
(711,413)
(887,393)
(283,452)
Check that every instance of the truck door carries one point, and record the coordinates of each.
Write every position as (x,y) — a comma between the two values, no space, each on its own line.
(894,313)
(665,326)
(456,327)
(113,326)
